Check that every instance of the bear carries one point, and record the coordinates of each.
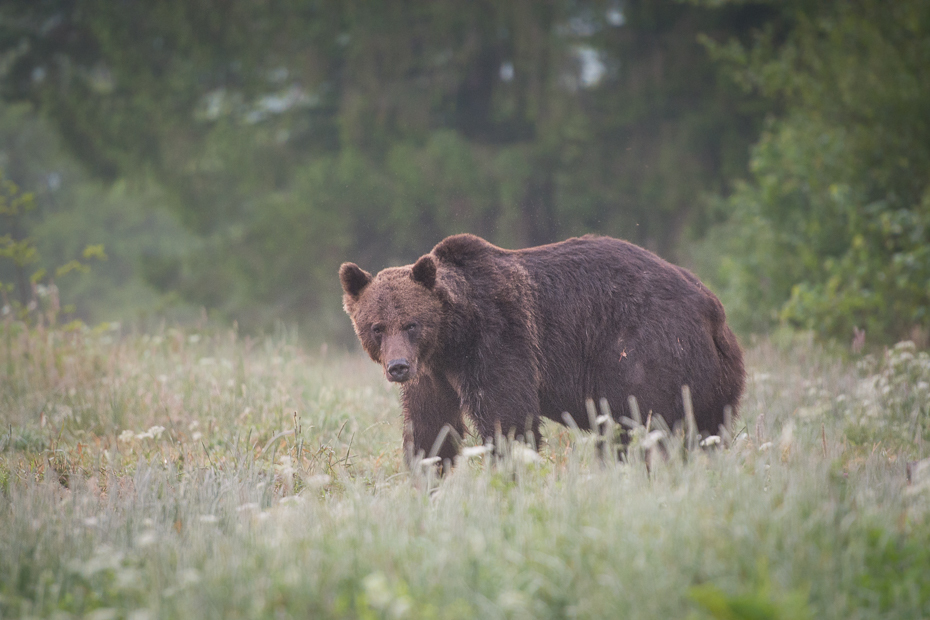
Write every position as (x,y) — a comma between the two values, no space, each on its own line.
(508,337)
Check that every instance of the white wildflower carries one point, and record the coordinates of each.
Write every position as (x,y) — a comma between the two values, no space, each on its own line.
(147,538)
(318,481)
(475,451)
(284,466)
(377,590)
(424,463)
(189,576)
(652,439)
(525,454)
(153,433)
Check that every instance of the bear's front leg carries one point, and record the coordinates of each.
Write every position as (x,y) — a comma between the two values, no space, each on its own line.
(504,399)
(429,404)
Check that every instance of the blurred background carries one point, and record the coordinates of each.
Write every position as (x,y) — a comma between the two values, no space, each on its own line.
(165,159)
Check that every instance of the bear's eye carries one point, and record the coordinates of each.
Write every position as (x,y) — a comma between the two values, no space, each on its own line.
(410,327)
(377,330)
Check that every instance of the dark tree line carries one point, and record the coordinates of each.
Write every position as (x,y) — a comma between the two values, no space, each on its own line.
(288,136)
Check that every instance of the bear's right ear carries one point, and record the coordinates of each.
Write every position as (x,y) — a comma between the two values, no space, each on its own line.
(353,279)
(424,271)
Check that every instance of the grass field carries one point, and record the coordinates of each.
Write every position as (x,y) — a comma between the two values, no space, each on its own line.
(204,475)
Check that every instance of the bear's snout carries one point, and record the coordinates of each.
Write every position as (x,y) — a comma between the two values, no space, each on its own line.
(398,370)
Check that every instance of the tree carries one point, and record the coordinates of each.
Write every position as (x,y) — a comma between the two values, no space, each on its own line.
(290,135)
(834,228)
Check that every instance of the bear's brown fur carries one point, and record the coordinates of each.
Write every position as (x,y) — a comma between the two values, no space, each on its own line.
(508,336)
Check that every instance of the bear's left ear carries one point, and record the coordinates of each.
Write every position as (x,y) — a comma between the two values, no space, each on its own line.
(424,272)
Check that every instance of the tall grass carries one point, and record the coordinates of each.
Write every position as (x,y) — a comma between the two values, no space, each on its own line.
(207,475)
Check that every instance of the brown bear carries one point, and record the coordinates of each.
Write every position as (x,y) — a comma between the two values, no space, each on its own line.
(508,336)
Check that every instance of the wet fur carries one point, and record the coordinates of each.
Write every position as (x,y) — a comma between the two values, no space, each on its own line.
(509,336)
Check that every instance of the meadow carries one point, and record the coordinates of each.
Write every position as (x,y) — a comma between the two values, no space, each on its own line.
(204,474)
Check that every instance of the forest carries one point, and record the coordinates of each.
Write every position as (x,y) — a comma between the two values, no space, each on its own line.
(222,157)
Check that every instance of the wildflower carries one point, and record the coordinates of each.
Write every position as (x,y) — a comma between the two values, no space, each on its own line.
(146,538)
(377,590)
(525,454)
(424,463)
(126,435)
(153,433)
(284,466)
(189,576)
(475,451)
(652,439)
(712,440)
(317,481)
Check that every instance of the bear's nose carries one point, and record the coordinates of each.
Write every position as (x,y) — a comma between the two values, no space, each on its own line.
(398,370)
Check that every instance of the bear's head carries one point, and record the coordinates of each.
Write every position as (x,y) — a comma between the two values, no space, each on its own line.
(396,314)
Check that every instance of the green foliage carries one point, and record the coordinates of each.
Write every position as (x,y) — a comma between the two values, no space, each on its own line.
(896,571)
(74,218)
(894,396)
(757,604)
(40,301)
(288,137)
(20,250)
(834,228)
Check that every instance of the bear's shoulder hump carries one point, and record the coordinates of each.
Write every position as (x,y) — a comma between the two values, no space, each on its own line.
(459,249)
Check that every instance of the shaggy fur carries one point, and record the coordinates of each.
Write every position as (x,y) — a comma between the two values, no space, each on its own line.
(508,336)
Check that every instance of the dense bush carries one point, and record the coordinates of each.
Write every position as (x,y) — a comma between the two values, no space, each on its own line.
(833,229)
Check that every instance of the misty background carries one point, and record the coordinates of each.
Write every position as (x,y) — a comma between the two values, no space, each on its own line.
(167,159)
